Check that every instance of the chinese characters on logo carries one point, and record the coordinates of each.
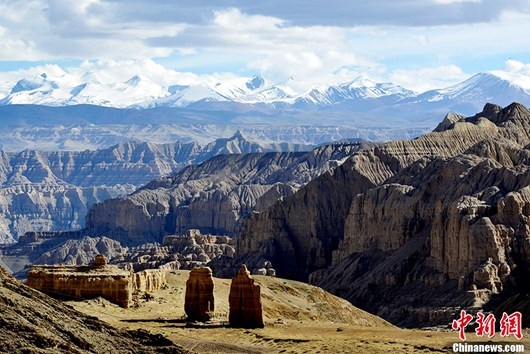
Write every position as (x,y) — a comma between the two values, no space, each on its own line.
(509,324)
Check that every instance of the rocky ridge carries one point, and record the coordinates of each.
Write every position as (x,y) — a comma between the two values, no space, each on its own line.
(51,191)
(75,249)
(214,196)
(308,225)
(412,230)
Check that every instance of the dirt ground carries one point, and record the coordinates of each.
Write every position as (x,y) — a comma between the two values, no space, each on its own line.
(298,319)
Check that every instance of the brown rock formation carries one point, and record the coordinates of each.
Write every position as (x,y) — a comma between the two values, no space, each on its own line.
(98,279)
(215,195)
(245,301)
(194,249)
(100,261)
(149,280)
(411,229)
(73,282)
(299,233)
(199,301)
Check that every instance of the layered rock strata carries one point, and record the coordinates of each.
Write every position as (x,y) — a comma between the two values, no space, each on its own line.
(245,301)
(98,279)
(85,282)
(413,230)
(199,301)
(194,248)
(300,232)
(33,322)
(214,196)
(53,190)
(149,280)
(187,251)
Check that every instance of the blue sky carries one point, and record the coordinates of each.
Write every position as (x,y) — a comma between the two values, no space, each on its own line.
(419,44)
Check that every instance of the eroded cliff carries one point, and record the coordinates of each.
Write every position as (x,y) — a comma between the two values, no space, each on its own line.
(412,230)
(213,196)
(53,190)
(300,232)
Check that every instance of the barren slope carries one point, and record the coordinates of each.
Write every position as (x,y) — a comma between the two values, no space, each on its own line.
(299,318)
(32,322)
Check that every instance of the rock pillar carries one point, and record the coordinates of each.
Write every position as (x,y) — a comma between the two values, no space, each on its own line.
(245,301)
(199,301)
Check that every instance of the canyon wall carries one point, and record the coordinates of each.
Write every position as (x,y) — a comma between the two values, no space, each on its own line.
(214,196)
(53,190)
(413,230)
(299,233)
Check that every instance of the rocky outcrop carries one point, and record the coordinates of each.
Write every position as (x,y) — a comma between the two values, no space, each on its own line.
(193,247)
(149,280)
(299,233)
(33,322)
(85,282)
(48,206)
(97,279)
(75,248)
(245,301)
(199,301)
(82,251)
(214,196)
(148,256)
(413,230)
(177,252)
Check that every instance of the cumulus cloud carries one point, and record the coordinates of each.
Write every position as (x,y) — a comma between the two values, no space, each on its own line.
(310,40)
(515,71)
(44,29)
(424,79)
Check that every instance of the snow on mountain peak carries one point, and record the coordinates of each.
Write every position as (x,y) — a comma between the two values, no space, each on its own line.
(522,81)
(56,87)
(361,81)
(481,81)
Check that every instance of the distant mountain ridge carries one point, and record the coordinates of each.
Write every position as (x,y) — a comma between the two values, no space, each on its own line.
(360,94)
(53,190)
(214,196)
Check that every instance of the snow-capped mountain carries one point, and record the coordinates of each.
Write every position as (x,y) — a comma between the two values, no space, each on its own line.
(481,87)
(140,92)
(242,90)
(466,97)
(256,100)
(361,90)
(66,90)
(361,94)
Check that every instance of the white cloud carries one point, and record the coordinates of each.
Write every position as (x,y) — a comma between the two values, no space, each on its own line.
(424,79)
(310,41)
(515,71)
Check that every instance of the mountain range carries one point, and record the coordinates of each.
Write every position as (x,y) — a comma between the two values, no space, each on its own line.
(56,110)
(140,92)
(412,230)
(256,96)
(53,190)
